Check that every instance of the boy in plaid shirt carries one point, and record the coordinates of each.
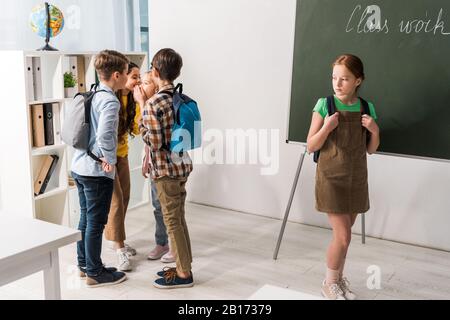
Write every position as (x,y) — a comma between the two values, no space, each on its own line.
(168,170)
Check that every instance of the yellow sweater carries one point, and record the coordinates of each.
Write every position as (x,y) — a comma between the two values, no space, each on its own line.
(122,148)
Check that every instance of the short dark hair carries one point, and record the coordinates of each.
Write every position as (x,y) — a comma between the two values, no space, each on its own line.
(109,61)
(168,63)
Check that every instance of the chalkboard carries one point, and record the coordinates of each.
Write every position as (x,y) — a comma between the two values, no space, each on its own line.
(405,47)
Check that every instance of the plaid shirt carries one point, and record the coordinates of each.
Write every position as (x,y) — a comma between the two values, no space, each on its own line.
(156,129)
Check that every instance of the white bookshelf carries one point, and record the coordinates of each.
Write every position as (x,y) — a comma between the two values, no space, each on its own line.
(20,161)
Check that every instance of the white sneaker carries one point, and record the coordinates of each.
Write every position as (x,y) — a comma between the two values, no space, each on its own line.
(124,260)
(344,284)
(130,250)
(332,291)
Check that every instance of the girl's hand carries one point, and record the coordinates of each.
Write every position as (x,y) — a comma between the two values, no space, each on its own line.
(331,122)
(370,124)
(139,95)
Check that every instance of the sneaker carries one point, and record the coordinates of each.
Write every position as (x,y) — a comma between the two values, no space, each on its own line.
(332,291)
(172,281)
(105,278)
(124,260)
(164,271)
(130,250)
(168,258)
(344,284)
(168,270)
(82,273)
(157,252)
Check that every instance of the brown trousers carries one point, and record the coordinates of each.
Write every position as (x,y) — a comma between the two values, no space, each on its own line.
(115,228)
(172,196)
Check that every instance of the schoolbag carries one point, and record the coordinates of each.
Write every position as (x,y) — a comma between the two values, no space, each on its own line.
(331,106)
(186,130)
(76,129)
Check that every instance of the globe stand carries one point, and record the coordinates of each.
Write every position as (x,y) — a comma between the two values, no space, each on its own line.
(47,47)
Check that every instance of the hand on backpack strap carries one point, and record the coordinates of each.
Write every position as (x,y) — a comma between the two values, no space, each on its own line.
(369,123)
(331,122)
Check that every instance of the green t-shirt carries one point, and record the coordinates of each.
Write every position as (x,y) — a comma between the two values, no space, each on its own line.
(321,107)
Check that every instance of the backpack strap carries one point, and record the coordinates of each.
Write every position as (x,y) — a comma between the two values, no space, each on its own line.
(365,110)
(365,106)
(88,96)
(331,107)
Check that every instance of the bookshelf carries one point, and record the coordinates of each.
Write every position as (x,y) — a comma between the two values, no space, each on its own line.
(32,83)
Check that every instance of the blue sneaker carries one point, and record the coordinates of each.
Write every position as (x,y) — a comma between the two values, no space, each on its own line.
(82,273)
(105,278)
(172,281)
(168,269)
(164,270)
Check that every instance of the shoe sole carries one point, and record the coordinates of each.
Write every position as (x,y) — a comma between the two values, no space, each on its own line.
(324,295)
(107,283)
(189,285)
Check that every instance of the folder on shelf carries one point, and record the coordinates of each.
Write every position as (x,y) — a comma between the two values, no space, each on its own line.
(37,78)
(29,78)
(81,76)
(56,123)
(45,173)
(48,124)
(37,116)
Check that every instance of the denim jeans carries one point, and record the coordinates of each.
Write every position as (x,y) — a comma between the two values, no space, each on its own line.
(160,228)
(95,195)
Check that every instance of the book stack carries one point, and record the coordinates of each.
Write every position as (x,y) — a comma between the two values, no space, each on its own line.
(46,125)
(45,173)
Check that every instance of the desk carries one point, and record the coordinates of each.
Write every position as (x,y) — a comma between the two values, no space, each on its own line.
(28,246)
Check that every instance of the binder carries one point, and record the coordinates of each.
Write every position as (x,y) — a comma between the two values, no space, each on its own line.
(37,116)
(45,173)
(56,123)
(48,124)
(29,78)
(81,77)
(37,78)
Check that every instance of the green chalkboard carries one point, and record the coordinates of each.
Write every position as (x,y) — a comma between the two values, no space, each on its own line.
(405,47)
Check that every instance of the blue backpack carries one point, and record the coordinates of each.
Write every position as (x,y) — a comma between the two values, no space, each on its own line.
(187,129)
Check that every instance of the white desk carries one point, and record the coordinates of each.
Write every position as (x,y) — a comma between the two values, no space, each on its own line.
(28,246)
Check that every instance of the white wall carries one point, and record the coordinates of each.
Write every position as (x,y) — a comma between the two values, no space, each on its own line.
(238,56)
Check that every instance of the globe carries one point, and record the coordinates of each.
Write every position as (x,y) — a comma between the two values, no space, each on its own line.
(38,20)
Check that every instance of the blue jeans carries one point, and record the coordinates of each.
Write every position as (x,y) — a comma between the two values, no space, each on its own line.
(95,195)
(160,227)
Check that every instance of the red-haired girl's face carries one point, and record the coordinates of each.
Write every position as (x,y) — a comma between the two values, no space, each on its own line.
(344,81)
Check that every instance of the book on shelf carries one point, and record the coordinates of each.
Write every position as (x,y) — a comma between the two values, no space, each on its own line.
(37,123)
(48,124)
(45,173)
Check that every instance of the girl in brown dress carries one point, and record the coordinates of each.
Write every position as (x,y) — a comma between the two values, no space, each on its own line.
(341,176)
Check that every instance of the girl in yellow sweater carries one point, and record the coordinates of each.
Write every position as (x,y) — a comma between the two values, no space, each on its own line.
(129,117)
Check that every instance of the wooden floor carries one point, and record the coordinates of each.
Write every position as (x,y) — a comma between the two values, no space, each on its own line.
(233,260)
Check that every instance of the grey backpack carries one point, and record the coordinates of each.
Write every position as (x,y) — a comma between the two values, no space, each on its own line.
(76,128)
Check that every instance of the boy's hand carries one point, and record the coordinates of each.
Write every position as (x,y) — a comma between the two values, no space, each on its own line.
(106,166)
(146,163)
(331,122)
(370,124)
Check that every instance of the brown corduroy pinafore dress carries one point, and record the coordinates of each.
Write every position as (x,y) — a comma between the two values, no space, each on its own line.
(341,174)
